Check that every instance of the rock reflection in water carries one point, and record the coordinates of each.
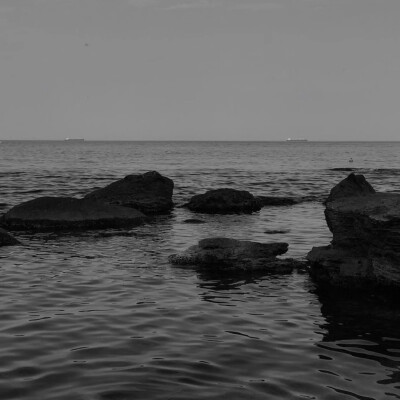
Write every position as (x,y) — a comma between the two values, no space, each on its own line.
(364,327)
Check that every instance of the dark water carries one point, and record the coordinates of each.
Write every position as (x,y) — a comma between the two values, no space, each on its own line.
(102,315)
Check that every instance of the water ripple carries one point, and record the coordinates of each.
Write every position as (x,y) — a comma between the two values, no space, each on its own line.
(102,315)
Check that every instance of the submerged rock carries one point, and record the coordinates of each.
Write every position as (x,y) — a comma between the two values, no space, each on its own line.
(224,201)
(6,239)
(276,231)
(61,213)
(225,254)
(344,169)
(365,249)
(150,193)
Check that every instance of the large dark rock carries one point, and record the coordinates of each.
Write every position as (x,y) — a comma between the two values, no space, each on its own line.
(150,193)
(6,239)
(224,201)
(225,254)
(61,213)
(352,186)
(365,249)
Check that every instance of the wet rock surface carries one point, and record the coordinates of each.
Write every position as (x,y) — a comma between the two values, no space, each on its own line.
(6,239)
(226,254)
(365,249)
(224,201)
(150,193)
(62,213)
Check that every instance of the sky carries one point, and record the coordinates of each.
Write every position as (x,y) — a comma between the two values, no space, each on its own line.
(200,69)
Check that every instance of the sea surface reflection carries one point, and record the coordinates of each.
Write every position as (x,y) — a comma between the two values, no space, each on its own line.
(103,315)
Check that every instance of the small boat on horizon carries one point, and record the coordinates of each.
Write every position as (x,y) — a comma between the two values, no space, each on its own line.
(296,140)
(74,139)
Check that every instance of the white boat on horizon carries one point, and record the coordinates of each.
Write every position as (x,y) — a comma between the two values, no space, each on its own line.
(74,139)
(296,140)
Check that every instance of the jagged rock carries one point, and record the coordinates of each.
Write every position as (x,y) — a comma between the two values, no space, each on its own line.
(365,248)
(352,186)
(6,239)
(224,201)
(276,201)
(150,193)
(225,254)
(61,213)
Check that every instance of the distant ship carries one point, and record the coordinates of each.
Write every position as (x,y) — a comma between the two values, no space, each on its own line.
(73,140)
(296,140)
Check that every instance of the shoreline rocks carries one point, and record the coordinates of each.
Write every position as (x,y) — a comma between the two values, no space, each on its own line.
(231,255)
(62,213)
(365,249)
(224,201)
(150,193)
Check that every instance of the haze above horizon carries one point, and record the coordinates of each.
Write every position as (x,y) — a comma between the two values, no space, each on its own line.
(257,70)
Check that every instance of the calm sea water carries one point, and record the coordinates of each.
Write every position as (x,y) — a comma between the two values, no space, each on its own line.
(102,315)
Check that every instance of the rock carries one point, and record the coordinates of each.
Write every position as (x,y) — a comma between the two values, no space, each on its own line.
(276,201)
(61,213)
(353,185)
(225,254)
(365,247)
(150,193)
(6,239)
(224,201)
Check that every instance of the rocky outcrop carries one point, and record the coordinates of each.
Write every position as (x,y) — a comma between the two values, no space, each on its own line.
(224,201)
(6,239)
(150,193)
(64,213)
(352,186)
(365,248)
(225,254)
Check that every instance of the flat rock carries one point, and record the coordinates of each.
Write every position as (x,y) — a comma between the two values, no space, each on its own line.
(226,254)
(224,201)
(6,239)
(64,213)
(150,193)
(365,247)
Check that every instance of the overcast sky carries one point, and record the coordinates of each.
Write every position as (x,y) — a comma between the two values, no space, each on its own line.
(200,69)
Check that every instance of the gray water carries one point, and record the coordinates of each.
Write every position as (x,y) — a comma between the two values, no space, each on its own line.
(103,315)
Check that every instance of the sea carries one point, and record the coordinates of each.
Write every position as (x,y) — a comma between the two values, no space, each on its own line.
(102,315)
